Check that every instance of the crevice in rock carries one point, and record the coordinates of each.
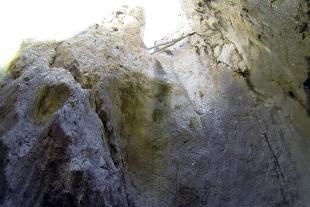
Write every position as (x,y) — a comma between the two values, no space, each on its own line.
(289,92)
(276,161)
(74,68)
(306,85)
(307,91)
(292,95)
(159,68)
(56,54)
(111,141)
(246,75)
(86,81)
(108,130)
(280,174)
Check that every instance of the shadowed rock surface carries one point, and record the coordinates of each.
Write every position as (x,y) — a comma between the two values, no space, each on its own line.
(220,118)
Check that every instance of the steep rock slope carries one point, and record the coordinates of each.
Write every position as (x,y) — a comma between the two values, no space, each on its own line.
(96,120)
(268,44)
(272,37)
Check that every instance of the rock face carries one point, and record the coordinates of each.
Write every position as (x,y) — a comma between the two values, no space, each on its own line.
(217,119)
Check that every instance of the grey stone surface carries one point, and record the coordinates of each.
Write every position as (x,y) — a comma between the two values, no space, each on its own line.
(95,120)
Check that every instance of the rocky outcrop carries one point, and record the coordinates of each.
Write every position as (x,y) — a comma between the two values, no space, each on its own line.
(272,37)
(95,120)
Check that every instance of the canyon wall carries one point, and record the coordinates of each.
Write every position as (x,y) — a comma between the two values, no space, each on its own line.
(219,118)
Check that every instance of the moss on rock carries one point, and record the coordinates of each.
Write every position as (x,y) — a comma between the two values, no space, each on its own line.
(157,115)
(140,105)
(49,98)
(193,123)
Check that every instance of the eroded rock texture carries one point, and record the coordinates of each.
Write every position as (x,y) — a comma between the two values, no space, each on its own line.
(217,119)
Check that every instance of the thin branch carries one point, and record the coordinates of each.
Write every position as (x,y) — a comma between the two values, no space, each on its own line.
(170,43)
(161,49)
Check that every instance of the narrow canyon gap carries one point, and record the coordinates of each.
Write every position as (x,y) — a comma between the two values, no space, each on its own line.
(218,118)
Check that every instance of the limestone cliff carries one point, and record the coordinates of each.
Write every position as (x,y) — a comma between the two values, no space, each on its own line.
(218,118)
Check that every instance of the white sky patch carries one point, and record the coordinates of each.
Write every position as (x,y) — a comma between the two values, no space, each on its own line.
(61,19)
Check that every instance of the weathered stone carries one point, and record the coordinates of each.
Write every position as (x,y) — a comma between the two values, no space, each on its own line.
(95,120)
(49,99)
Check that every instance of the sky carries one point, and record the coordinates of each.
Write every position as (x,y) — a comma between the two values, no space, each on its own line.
(61,19)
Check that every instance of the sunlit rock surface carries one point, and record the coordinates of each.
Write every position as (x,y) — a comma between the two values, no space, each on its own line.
(219,118)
